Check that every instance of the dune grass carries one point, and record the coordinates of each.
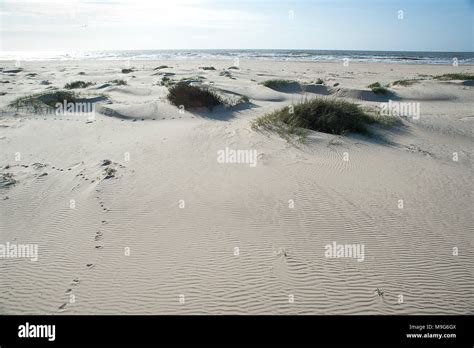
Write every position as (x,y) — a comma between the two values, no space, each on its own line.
(333,116)
(243,100)
(459,76)
(42,101)
(405,83)
(119,82)
(166,81)
(227,73)
(377,88)
(445,77)
(275,84)
(77,84)
(192,97)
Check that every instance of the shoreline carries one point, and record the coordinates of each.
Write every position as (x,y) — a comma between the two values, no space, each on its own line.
(5,61)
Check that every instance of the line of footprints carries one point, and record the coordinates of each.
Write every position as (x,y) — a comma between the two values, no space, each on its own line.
(98,236)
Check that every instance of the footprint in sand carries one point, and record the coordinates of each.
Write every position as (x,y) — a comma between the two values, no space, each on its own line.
(98,236)
(280,266)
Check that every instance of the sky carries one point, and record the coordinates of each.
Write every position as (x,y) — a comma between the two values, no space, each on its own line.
(392,25)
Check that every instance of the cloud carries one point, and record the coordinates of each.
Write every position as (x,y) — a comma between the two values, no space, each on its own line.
(55,15)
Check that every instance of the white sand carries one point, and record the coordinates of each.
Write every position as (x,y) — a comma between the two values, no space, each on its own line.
(190,251)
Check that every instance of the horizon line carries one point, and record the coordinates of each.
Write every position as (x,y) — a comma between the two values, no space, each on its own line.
(240,49)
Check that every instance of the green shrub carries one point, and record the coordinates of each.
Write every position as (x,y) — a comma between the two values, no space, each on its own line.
(276,83)
(192,97)
(78,84)
(377,88)
(405,83)
(333,116)
(119,82)
(43,101)
(460,76)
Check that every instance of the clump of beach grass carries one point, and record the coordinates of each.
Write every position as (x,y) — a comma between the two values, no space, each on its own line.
(119,82)
(405,83)
(458,76)
(327,115)
(166,81)
(243,99)
(377,88)
(273,83)
(278,84)
(42,101)
(192,97)
(77,84)
(227,73)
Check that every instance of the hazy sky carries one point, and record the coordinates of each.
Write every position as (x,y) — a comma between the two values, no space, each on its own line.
(78,25)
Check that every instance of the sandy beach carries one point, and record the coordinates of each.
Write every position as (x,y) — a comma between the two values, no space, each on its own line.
(133,212)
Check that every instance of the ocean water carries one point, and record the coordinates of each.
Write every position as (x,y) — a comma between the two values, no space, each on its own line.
(462,58)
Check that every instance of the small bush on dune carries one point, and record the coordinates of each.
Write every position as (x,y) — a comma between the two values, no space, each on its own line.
(193,97)
(448,77)
(377,88)
(405,83)
(276,83)
(375,85)
(331,116)
(119,82)
(42,101)
(166,81)
(78,84)
(52,99)
(232,102)
(243,100)
(380,90)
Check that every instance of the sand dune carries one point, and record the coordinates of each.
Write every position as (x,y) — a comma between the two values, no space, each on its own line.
(132,212)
